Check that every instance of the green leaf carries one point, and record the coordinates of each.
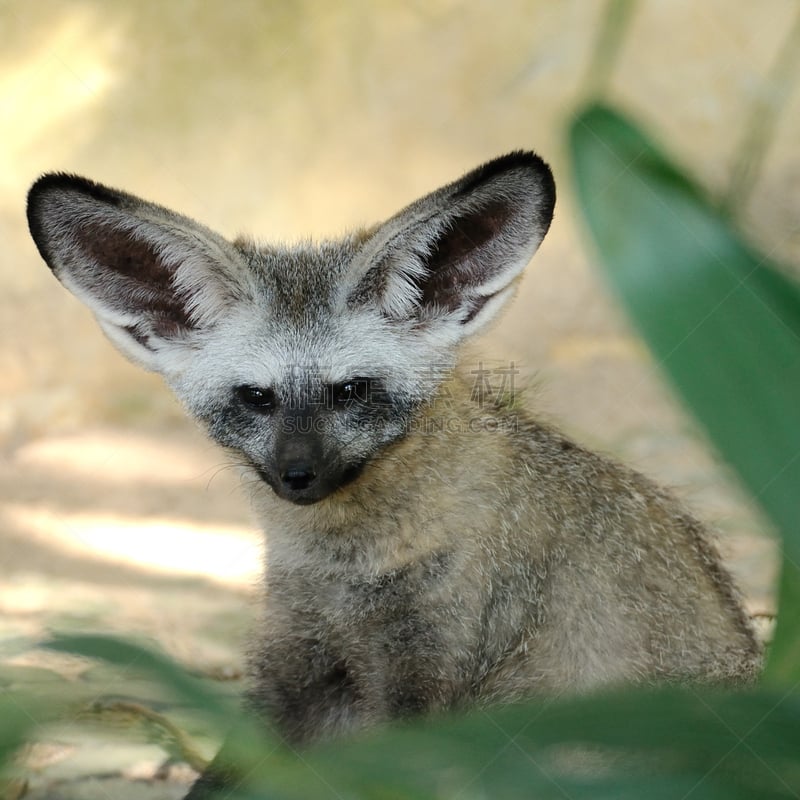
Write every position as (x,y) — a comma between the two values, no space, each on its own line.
(631,744)
(721,321)
(627,744)
(249,739)
(140,660)
(20,716)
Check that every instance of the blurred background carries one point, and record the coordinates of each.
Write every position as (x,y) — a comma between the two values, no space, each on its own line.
(286,120)
(294,119)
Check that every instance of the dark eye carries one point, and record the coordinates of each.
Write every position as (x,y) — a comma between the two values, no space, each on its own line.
(259,399)
(356,390)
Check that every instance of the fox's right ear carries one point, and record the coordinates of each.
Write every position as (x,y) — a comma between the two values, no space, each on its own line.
(151,277)
(450,260)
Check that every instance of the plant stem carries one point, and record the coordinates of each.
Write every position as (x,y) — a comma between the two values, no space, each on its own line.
(607,46)
(762,119)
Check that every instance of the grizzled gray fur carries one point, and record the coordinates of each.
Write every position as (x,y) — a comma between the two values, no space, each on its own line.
(427,549)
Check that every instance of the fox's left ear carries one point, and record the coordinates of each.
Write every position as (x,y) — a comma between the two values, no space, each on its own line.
(153,278)
(453,256)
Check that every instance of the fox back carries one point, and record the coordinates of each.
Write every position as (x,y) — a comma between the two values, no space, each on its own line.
(429,547)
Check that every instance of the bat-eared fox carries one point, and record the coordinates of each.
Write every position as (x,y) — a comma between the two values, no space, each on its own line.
(431,545)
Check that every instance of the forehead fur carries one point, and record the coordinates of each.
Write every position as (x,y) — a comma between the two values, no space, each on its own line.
(297,325)
(299,283)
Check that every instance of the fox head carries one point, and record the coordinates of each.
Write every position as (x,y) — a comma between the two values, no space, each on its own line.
(307,361)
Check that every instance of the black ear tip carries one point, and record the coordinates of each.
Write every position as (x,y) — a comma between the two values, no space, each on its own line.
(45,185)
(516,160)
(524,159)
(57,186)
(36,191)
(53,181)
(545,182)
(36,194)
(67,182)
(530,161)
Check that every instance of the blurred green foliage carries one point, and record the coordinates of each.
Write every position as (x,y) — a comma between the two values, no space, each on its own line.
(721,321)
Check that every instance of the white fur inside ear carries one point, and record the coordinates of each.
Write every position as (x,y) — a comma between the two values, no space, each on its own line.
(146,358)
(401,296)
(488,311)
(207,271)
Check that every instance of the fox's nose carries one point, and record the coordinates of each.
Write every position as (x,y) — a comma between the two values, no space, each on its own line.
(298,476)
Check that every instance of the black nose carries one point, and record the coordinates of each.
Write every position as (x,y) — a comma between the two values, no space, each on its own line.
(298,476)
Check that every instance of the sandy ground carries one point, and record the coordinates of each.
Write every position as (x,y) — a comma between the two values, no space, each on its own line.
(142,535)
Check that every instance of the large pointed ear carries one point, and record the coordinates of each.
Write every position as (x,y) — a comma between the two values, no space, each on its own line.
(452,257)
(151,277)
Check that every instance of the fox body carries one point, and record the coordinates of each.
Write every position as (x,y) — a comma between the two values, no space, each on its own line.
(428,548)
